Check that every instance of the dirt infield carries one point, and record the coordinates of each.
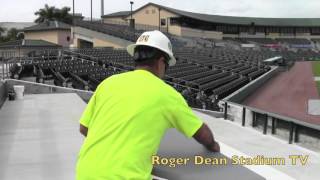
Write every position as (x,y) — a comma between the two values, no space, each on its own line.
(288,93)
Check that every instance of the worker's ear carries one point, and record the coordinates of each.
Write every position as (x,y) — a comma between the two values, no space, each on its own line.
(159,63)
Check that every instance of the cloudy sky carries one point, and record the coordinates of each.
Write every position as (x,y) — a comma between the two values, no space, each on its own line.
(23,10)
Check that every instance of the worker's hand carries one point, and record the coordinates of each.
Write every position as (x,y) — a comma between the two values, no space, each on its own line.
(215,147)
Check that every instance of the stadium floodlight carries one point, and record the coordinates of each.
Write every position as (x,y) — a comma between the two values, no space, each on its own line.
(91,11)
(131,3)
(102,8)
(73,20)
(131,20)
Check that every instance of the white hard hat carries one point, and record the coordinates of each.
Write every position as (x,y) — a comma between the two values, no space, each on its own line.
(157,40)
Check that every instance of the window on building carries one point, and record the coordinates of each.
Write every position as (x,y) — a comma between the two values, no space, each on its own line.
(68,38)
(274,30)
(259,29)
(315,30)
(244,29)
(147,11)
(286,30)
(302,30)
(174,21)
(252,30)
(153,11)
(163,22)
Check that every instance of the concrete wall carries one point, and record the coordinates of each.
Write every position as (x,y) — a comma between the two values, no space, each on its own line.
(63,37)
(231,35)
(247,35)
(114,20)
(50,36)
(245,91)
(174,29)
(215,114)
(235,114)
(189,32)
(7,53)
(3,93)
(305,36)
(99,39)
(37,88)
(152,17)
(273,35)
(54,36)
(101,43)
(308,137)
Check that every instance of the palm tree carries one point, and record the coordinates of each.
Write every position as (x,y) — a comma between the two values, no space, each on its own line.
(63,15)
(44,14)
(50,13)
(2,30)
(14,34)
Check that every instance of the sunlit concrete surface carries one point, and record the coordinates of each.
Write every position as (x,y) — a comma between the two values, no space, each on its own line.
(39,138)
(245,141)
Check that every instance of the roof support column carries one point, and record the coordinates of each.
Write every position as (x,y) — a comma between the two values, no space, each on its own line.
(243,116)
(273,126)
(159,18)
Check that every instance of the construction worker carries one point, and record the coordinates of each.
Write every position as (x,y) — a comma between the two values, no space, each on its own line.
(129,113)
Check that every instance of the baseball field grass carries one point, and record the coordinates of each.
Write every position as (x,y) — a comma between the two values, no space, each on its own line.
(316,68)
(318,86)
(316,72)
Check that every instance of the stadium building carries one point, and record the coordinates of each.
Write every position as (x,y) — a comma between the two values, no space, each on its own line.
(51,31)
(254,81)
(183,23)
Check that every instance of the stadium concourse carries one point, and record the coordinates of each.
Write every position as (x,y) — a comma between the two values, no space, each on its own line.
(254,72)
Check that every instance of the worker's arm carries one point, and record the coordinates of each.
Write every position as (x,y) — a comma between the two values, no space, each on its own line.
(87,115)
(83,130)
(205,137)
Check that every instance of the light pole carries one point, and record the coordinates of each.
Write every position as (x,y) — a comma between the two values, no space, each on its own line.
(91,11)
(72,10)
(131,21)
(73,22)
(131,3)
(102,10)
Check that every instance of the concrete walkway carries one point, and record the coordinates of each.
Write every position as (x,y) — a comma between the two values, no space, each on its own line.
(249,142)
(39,137)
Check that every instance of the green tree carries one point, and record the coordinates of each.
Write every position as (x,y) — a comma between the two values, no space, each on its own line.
(14,34)
(2,29)
(50,13)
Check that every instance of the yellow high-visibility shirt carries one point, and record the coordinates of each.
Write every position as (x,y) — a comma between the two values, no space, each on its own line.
(126,119)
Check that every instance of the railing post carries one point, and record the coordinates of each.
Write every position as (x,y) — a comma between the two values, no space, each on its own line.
(273,126)
(292,126)
(265,126)
(254,117)
(225,110)
(243,116)
(2,68)
(296,134)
